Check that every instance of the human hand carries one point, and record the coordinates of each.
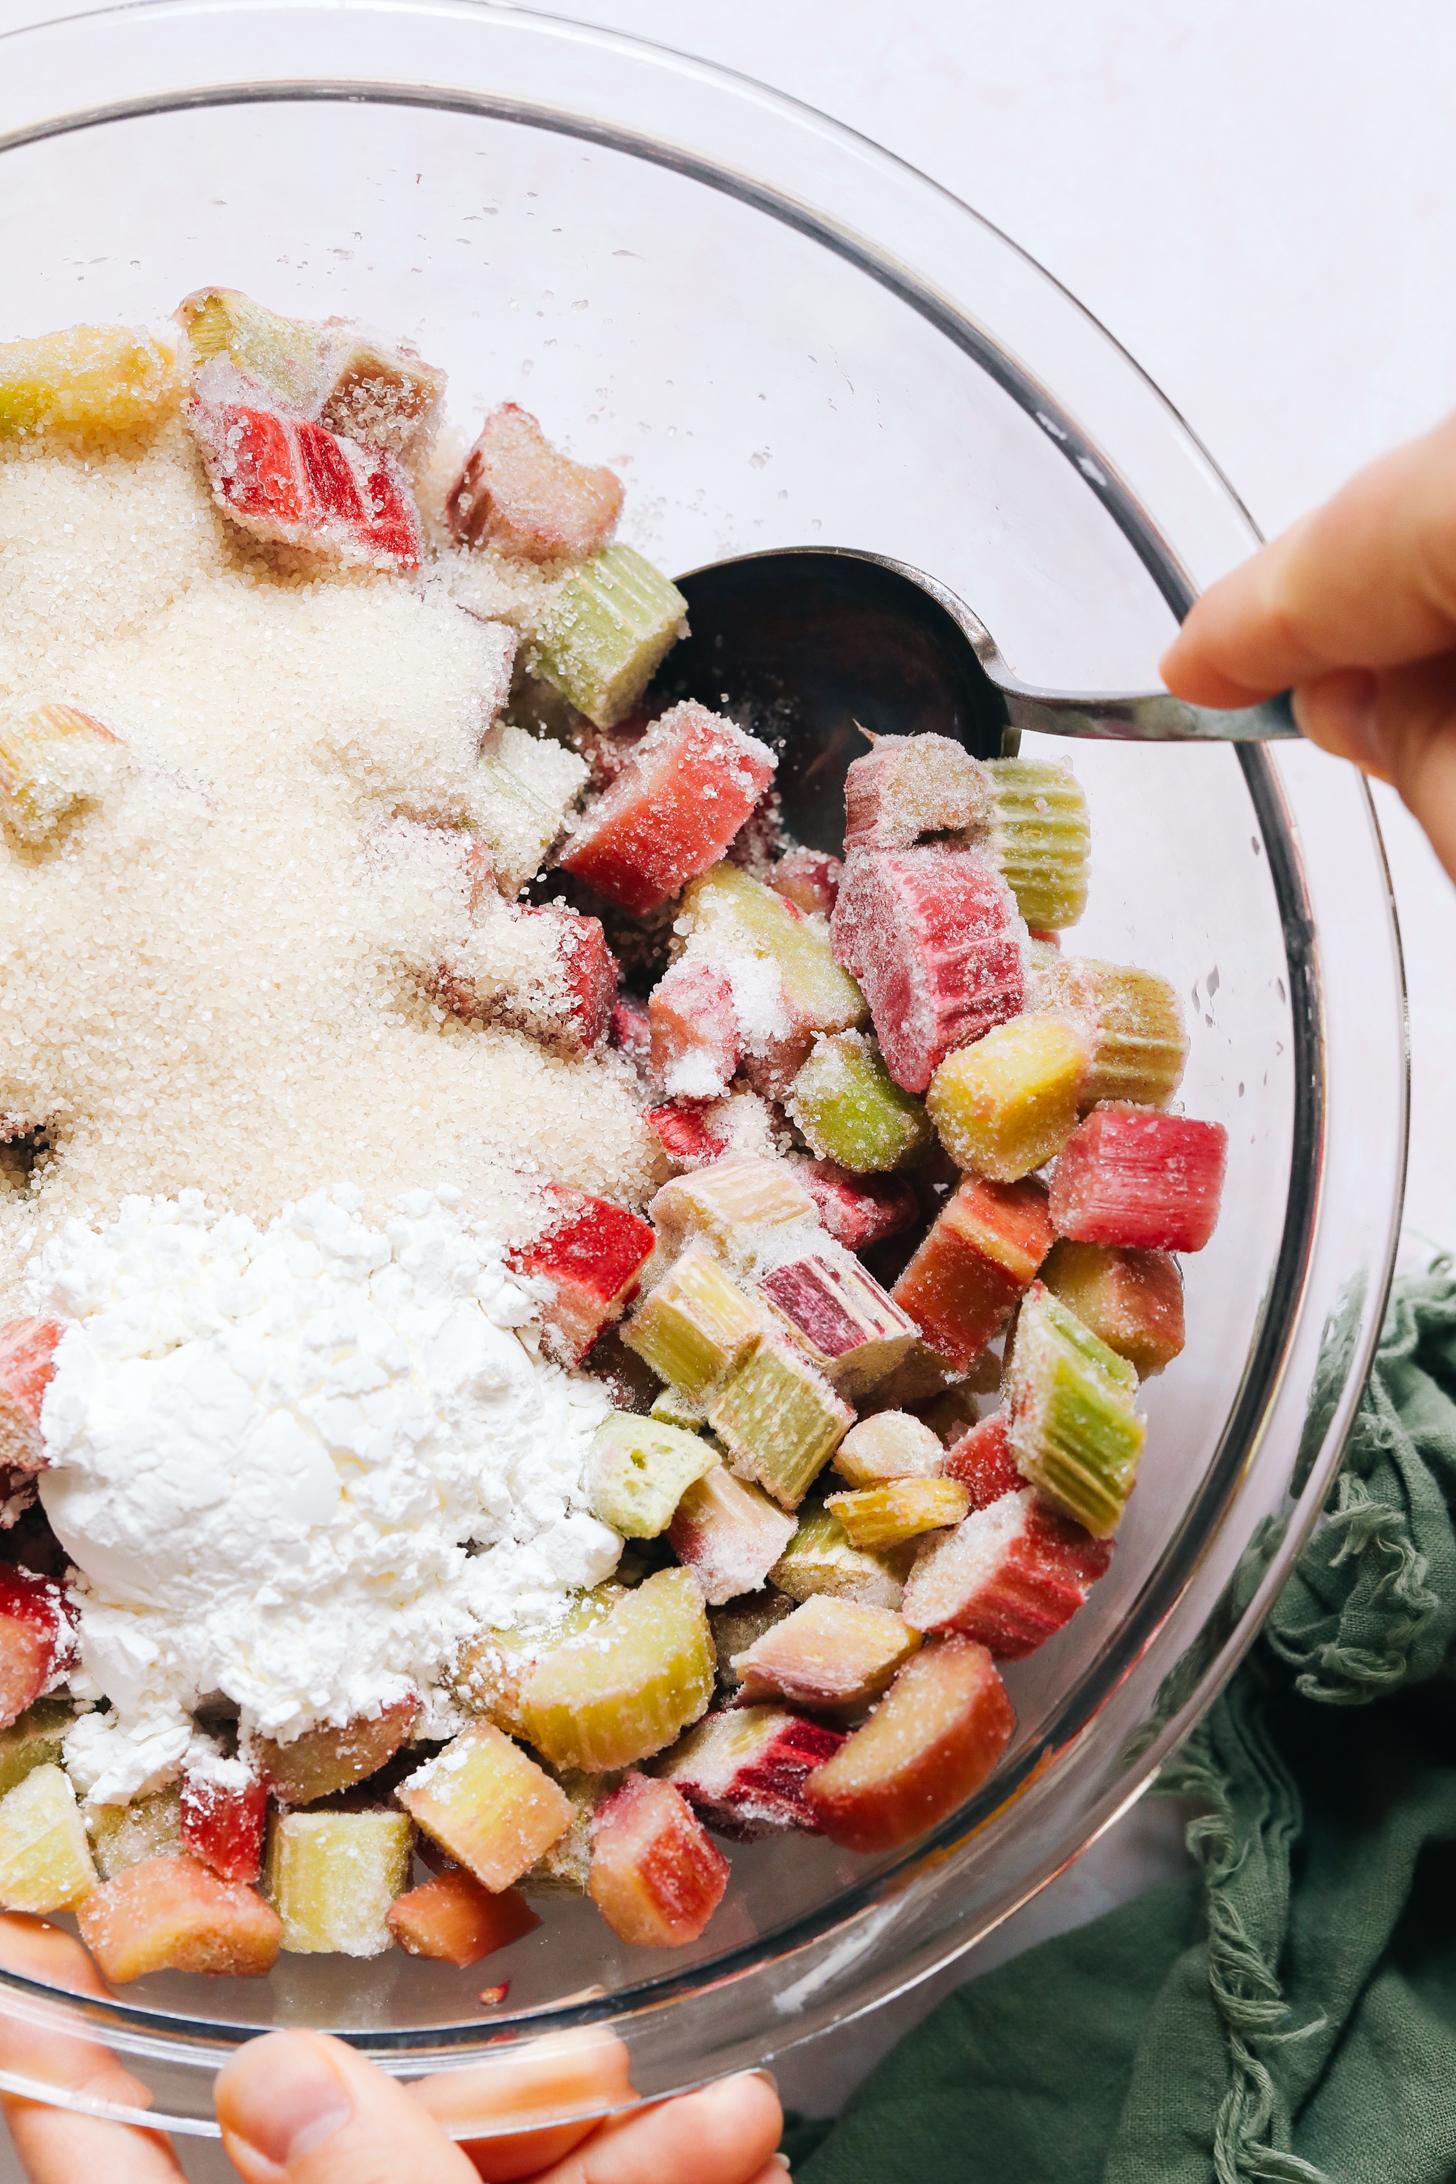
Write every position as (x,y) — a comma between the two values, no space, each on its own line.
(298,2108)
(1355,608)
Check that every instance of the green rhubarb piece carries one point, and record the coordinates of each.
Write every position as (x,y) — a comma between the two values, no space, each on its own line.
(728,1205)
(674,1408)
(531,784)
(45,1859)
(639,1470)
(126,1835)
(285,355)
(611,625)
(626,1688)
(34,1740)
(488,1670)
(1139,1045)
(332,1877)
(738,913)
(821,1559)
(852,1111)
(1040,838)
(1074,1431)
(1006,1104)
(696,1323)
(779,1420)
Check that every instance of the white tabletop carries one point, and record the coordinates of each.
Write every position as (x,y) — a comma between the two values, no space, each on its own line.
(1251,195)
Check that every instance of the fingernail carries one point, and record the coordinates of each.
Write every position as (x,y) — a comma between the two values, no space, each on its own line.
(282,2097)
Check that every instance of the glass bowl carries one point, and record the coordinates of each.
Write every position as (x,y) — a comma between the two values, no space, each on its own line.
(784,336)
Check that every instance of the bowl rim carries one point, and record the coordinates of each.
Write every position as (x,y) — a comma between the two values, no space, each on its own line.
(148,2031)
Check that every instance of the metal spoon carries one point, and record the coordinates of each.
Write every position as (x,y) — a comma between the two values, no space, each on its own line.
(810,643)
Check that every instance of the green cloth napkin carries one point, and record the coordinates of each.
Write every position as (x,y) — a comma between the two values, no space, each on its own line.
(1288,2013)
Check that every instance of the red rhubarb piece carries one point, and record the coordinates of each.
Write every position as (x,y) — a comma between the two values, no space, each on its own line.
(454,1919)
(223,1825)
(592,1253)
(36,1638)
(27,1363)
(1134,1177)
(696,1042)
(583,1008)
(656,1875)
(858,1210)
(684,1135)
(983,1463)
(905,788)
(982,1254)
(854,1332)
(171,1914)
(522,496)
(629,1029)
(935,940)
(808,878)
(673,809)
(1010,1575)
(743,1770)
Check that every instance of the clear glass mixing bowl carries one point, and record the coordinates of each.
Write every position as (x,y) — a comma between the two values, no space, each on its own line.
(783,335)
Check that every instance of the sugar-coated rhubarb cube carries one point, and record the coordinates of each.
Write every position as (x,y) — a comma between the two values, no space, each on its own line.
(1131,1177)
(592,1254)
(629,1029)
(851,1110)
(488,1804)
(1011,1576)
(779,1420)
(332,1756)
(932,1742)
(1134,1023)
(858,1210)
(1009,1103)
(986,1245)
(123,1836)
(697,1043)
(223,1820)
(743,1770)
(889,1445)
(728,1205)
(907,788)
(172,1915)
(1074,1430)
(287,356)
(639,1470)
(685,1134)
(677,803)
(820,1559)
(613,622)
(522,496)
(935,940)
(674,1408)
(565,1868)
(291,482)
(828,1653)
(334,1876)
(530,786)
(54,760)
(729,1535)
(538,968)
(104,379)
(37,1638)
(1040,838)
(491,1665)
(898,1509)
(35,1740)
(656,1877)
(451,1918)
(629,1686)
(695,1324)
(27,1362)
(733,914)
(1132,1299)
(985,1462)
(45,1859)
(840,1317)
(382,393)
(808,878)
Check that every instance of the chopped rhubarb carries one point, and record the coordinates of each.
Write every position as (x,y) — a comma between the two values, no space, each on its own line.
(840,1317)
(851,1111)
(963,1283)
(1132,1299)
(223,1823)
(808,878)
(537,968)
(592,1253)
(743,1770)
(1009,1103)
(684,1135)
(333,1877)
(127,1835)
(934,938)
(36,1738)
(931,1743)
(612,621)
(820,1559)
(895,1510)
(1011,1576)
(1040,838)
(828,1653)
(27,1362)
(453,1919)
(695,1324)
(1131,1177)
(488,1804)
(729,1205)
(909,788)
(45,1859)
(656,1877)
(672,810)
(54,760)
(627,1687)
(984,1462)
(103,379)
(858,1210)
(696,1041)
(729,1535)
(522,496)
(332,1757)
(1070,1400)
(172,1915)
(576,1019)
(36,1638)
(629,1029)
(889,1445)
(639,1470)
(779,1419)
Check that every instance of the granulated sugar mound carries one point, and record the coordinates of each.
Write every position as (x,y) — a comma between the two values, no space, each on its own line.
(203,982)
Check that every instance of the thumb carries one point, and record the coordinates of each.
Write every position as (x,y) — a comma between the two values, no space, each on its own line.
(299,2108)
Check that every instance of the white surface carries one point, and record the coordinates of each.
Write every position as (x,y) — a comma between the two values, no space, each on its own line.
(1251,195)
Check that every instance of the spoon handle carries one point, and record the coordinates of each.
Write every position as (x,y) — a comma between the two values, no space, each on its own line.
(1149,717)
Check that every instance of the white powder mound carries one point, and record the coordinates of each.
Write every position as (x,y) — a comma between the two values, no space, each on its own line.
(271,1450)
